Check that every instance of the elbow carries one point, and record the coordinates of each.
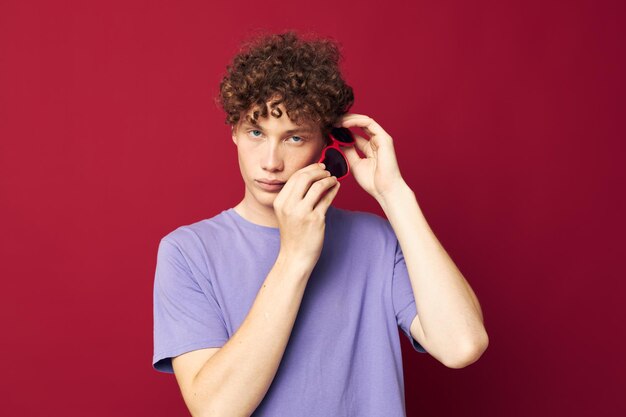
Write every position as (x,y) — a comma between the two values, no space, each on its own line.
(199,406)
(206,412)
(198,410)
(216,410)
(470,354)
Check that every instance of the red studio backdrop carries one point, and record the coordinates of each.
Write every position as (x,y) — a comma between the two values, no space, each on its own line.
(508,121)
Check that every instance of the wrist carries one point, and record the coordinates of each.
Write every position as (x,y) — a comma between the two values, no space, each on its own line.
(294,264)
(399,191)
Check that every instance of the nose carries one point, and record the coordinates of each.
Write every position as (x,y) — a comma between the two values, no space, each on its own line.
(272,157)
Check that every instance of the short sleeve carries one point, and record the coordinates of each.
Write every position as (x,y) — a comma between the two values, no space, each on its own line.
(185,317)
(403,298)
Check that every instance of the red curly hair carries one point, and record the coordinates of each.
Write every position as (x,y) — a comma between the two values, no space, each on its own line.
(286,68)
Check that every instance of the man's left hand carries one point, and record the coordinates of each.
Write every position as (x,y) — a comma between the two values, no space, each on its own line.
(378,173)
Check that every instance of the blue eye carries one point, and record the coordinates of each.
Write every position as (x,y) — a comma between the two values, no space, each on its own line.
(301,139)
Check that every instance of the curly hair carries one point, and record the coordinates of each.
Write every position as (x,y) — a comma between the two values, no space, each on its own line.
(302,74)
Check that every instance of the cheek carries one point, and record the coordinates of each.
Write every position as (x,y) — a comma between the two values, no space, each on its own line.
(300,161)
(245,161)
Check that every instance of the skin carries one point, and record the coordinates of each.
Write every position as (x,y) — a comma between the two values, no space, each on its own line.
(450,323)
(268,152)
(233,379)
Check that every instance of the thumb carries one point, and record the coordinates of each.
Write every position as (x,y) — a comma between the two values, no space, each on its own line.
(352,156)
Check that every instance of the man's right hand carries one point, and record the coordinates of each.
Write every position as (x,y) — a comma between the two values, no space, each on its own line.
(300,209)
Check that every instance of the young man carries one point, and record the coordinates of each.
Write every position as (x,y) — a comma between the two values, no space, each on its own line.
(286,305)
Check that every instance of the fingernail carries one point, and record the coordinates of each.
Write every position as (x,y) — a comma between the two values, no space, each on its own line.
(322,165)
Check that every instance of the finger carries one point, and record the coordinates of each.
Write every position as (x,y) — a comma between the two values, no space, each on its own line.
(327,198)
(316,190)
(352,156)
(348,116)
(361,144)
(368,125)
(305,180)
(364,146)
(292,184)
(345,117)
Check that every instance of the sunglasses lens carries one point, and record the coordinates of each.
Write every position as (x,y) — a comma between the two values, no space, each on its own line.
(335,163)
(342,134)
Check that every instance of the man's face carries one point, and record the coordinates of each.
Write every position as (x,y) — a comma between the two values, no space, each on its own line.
(273,150)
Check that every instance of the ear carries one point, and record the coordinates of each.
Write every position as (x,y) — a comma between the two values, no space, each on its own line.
(233,135)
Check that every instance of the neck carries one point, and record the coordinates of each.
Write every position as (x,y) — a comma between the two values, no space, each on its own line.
(261,215)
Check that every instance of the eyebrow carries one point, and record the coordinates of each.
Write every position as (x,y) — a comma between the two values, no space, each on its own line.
(298,130)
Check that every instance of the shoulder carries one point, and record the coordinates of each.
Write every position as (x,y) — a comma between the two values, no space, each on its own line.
(367,236)
(360,222)
(198,233)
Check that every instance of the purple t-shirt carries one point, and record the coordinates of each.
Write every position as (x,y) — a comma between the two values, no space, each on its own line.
(343,357)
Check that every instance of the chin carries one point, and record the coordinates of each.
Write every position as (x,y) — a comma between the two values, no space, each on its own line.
(263,198)
(266,198)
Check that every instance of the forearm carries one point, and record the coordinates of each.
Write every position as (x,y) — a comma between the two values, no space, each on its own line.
(450,314)
(235,380)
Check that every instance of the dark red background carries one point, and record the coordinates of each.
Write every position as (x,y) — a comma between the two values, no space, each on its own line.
(508,121)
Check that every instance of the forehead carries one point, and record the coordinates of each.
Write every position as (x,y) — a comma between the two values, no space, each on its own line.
(283,123)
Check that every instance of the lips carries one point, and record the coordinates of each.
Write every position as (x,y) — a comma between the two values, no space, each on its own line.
(271,182)
(272,188)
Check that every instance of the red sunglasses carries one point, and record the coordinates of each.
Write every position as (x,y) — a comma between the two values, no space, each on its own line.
(332,157)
